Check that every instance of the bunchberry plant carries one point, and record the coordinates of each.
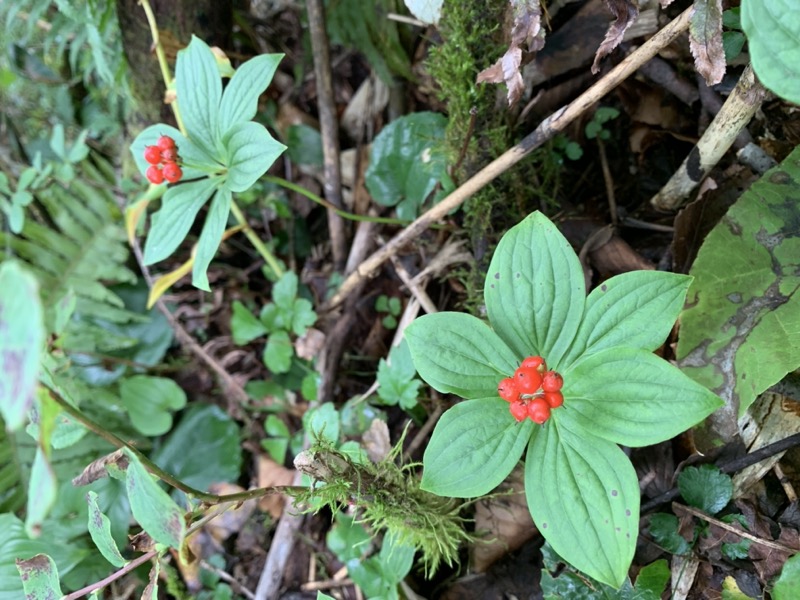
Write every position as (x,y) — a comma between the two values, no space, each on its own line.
(581,488)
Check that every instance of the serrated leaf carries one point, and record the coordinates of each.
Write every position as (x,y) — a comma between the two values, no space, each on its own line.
(150,402)
(535,291)
(625,14)
(405,164)
(459,354)
(39,578)
(278,352)
(303,316)
(171,223)
(736,551)
(284,291)
(245,327)
(705,40)
(773,34)
(740,331)
(250,150)
(22,338)
(706,488)
(152,507)
(664,529)
(474,447)
(240,99)
(583,495)
(211,237)
(632,397)
(199,88)
(100,530)
(636,309)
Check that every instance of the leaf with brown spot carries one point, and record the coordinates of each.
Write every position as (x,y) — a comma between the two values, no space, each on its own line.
(39,578)
(526,29)
(98,469)
(705,40)
(625,13)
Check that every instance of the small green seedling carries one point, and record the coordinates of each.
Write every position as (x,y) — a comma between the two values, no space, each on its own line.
(594,128)
(396,382)
(391,307)
(581,488)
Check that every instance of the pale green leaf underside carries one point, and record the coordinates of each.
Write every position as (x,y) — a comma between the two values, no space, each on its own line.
(100,530)
(199,93)
(172,222)
(632,397)
(636,309)
(250,151)
(211,237)
(459,354)
(583,495)
(240,98)
(535,290)
(773,33)
(473,449)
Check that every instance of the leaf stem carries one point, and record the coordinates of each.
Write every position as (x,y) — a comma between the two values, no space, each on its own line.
(159,472)
(329,205)
(260,247)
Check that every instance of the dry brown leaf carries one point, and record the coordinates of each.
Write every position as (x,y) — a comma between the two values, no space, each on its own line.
(526,29)
(97,469)
(310,344)
(376,441)
(271,473)
(505,521)
(625,13)
(188,560)
(705,40)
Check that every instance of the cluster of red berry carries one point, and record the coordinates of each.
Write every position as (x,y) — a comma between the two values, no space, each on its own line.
(163,159)
(533,390)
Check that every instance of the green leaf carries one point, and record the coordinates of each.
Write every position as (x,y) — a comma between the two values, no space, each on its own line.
(303,316)
(787,586)
(100,530)
(305,145)
(396,383)
(583,494)
(636,309)
(250,151)
(39,578)
(474,446)
(740,332)
(278,352)
(396,558)
(347,539)
(323,596)
(150,402)
(664,529)
(240,99)
(213,438)
(773,33)
(535,291)
(42,491)
(405,162)
(736,551)
(171,223)
(22,337)
(652,580)
(632,397)
(152,507)
(427,11)
(199,90)
(323,422)
(211,237)
(284,291)
(276,448)
(245,327)
(459,354)
(706,488)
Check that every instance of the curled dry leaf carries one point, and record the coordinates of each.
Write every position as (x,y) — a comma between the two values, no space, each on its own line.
(97,469)
(526,29)
(308,346)
(625,13)
(376,440)
(705,40)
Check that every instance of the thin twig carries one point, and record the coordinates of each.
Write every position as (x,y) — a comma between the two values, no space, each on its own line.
(329,129)
(85,591)
(225,576)
(545,131)
(722,524)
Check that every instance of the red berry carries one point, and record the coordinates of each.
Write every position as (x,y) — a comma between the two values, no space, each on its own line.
(170,155)
(172,172)
(154,175)
(552,381)
(528,380)
(165,142)
(152,154)
(519,411)
(554,399)
(538,410)
(508,390)
(534,362)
